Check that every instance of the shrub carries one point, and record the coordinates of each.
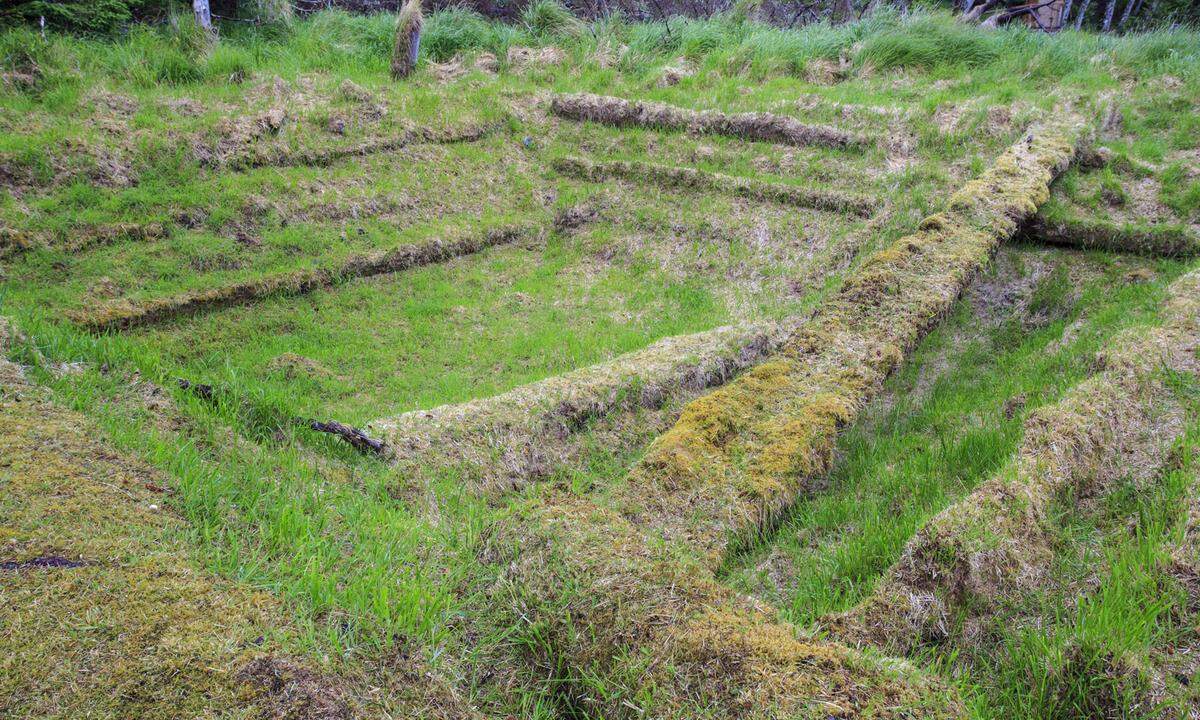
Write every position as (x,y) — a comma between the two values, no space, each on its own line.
(230,63)
(550,19)
(449,32)
(80,16)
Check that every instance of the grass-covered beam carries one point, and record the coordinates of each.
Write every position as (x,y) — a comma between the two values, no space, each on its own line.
(760,126)
(1058,226)
(126,314)
(693,179)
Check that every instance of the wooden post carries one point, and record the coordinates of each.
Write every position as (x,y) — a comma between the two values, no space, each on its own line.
(203,13)
(1082,12)
(1108,15)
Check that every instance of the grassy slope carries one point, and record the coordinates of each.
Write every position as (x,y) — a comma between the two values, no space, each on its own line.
(274,515)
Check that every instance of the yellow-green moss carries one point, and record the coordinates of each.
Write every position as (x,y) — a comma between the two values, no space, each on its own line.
(106,612)
(744,451)
(981,552)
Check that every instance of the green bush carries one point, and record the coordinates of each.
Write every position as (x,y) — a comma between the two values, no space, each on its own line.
(448,32)
(230,63)
(81,16)
(550,19)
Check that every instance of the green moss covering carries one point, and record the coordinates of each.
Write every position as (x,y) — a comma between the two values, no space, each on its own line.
(742,453)
(997,543)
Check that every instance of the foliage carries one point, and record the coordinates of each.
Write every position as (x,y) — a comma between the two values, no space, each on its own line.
(81,16)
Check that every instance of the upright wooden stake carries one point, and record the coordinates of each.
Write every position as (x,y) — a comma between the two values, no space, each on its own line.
(203,13)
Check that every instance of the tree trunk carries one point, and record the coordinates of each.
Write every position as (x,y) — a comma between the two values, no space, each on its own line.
(1108,15)
(1082,13)
(1129,7)
(843,11)
(1066,13)
(203,14)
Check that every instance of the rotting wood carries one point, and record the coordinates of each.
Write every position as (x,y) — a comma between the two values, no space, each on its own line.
(762,126)
(691,178)
(356,437)
(126,314)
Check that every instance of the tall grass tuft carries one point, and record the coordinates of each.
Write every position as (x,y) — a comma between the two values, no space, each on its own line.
(408,39)
(550,19)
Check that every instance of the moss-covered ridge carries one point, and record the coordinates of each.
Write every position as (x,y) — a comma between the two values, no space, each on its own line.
(691,178)
(644,619)
(106,612)
(997,543)
(743,452)
(125,314)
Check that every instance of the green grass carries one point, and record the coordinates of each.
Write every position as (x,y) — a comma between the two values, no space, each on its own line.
(949,420)
(364,572)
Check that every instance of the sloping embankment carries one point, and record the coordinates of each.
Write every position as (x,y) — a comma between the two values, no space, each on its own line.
(106,612)
(617,608)
(692,179)
(998,543)
(126,314)
(766,127)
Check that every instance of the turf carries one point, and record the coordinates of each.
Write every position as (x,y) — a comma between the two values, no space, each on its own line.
(147,168)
